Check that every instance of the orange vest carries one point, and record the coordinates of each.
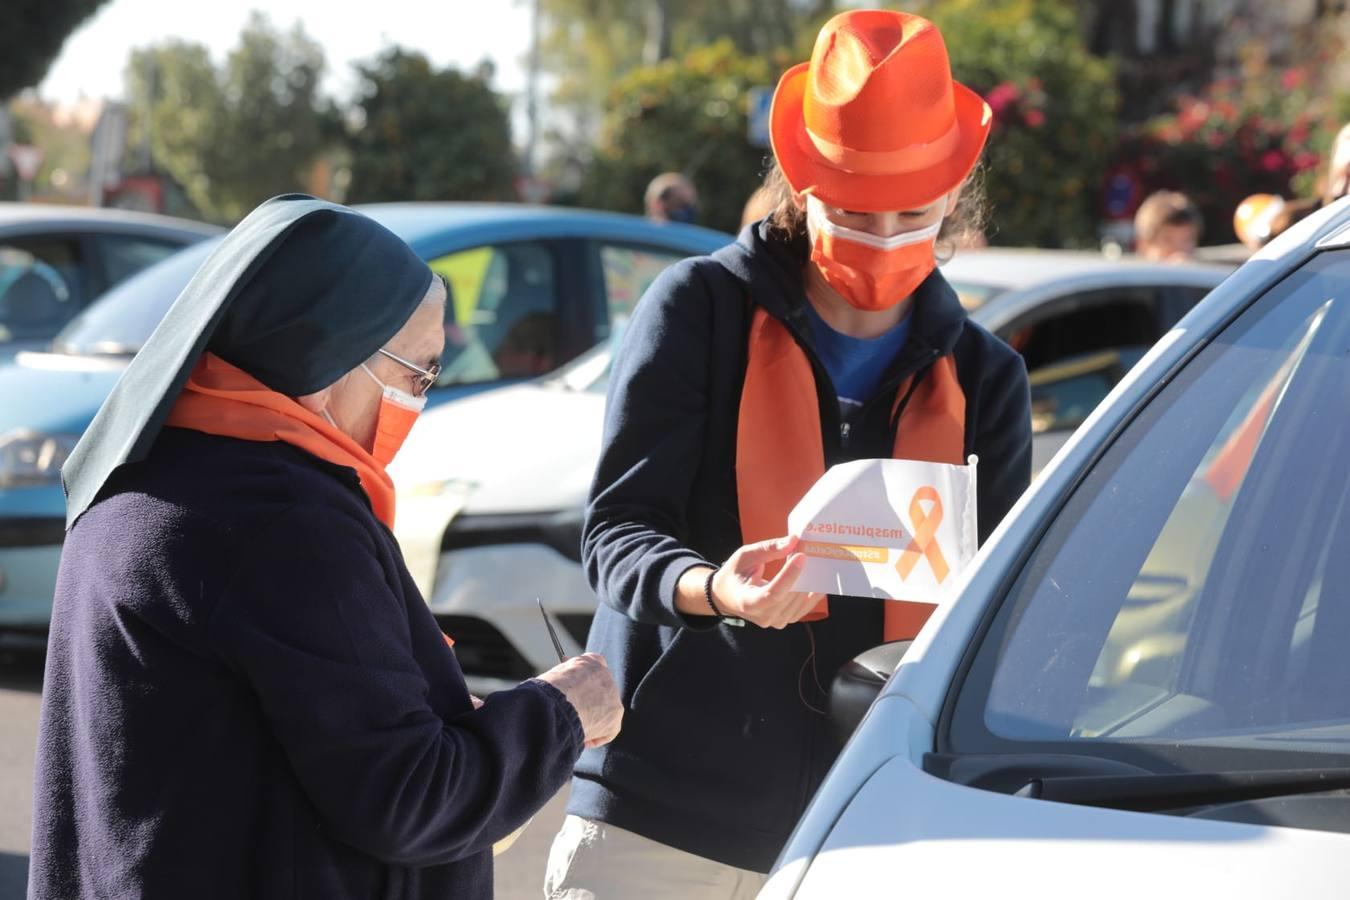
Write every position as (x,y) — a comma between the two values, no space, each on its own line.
(780,452)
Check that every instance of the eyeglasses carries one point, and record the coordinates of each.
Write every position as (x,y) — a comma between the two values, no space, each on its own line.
(425,377)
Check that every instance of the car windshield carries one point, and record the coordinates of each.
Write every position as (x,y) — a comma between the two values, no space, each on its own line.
(1191,601)
(120,322)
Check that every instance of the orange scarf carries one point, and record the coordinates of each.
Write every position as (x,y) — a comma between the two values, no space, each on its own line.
(224,400)
(780,452)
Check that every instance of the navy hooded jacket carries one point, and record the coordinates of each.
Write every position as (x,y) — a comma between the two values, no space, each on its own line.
(247,697)
(724,740)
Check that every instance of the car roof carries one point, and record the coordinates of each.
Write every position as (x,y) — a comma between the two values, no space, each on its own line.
(1021,280)
(54,217)
(1015,268)
(422,225)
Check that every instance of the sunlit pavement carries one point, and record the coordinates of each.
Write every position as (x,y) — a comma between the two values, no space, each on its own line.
(520,871)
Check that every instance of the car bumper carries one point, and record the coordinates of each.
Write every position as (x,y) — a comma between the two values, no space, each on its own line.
(30,553)
(485,598)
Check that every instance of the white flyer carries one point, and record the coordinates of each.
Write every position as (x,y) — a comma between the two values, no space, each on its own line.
(892,528)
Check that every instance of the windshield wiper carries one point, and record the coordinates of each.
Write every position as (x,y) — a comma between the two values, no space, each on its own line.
(1155,793)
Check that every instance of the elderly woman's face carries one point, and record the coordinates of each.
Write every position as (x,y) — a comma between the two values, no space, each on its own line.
(354,402)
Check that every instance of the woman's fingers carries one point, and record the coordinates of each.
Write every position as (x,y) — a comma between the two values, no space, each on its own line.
(782,583)
(754,556)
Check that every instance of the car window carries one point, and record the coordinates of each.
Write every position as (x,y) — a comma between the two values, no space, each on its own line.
(502,317)
(1193,596)
(628,272)
(41,287)
(1175,300)
(125,255)
(120,321)
(1082,323)
(1065,393)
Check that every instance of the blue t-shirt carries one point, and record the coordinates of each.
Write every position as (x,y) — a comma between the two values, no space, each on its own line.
(856,365)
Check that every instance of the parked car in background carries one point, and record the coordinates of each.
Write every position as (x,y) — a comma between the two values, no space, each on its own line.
(531,289)
(507,525)
(1142,682)
(55,259)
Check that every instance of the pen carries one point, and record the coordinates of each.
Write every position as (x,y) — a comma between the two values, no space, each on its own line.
(553,635)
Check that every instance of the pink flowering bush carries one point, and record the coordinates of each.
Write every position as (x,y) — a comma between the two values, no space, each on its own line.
(1054,111)
(1264,133)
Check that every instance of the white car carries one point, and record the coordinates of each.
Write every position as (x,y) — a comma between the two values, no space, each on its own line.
(492,487)
(1143,686)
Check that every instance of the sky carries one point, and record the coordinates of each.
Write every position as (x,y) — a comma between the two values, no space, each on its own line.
(450,32)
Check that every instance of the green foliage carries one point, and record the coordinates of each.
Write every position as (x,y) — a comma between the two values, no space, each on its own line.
(234,136)
(1054,115)
(32,36)
(591,44)
(687,115)
(176,105)
(429,135)
(66,150)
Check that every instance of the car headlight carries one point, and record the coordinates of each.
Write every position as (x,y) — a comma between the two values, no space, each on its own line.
(29,458)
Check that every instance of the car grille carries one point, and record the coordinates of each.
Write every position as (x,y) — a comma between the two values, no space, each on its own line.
(483,650)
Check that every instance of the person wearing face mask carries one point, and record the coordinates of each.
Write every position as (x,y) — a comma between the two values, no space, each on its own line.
(245,694)
(671,197)
(826,333)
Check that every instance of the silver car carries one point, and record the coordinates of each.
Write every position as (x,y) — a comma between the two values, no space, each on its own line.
(1140,688)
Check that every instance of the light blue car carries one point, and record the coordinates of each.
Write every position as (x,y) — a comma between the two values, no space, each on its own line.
(532,288)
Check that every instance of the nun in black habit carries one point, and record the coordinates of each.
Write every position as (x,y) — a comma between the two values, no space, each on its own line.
(245,695)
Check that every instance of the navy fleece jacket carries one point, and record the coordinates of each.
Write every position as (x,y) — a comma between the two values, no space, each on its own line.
(246,696)
(724,742)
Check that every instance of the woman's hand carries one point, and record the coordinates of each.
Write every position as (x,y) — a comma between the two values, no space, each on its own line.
(740,589)
(589,686)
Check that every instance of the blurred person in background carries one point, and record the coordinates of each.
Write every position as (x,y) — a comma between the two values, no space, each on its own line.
(1261,217)
(671,197)
(246,696)
(825,334)
(1167,227)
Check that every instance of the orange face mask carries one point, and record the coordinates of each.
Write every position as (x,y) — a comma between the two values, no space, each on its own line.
(871,273)
(398,413)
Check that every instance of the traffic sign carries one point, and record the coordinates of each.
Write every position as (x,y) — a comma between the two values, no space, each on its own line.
(27,160)
(760,101)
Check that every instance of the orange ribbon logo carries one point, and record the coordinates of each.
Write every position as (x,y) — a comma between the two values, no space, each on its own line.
(924,543)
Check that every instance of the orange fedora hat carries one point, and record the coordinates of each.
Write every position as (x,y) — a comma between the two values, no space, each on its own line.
(874,122)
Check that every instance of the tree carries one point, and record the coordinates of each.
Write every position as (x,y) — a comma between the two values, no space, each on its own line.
(32,37)
(234,136)
(590,44)
(176,110)
(275,125)
(425,134)
(687,114)
(1054,111)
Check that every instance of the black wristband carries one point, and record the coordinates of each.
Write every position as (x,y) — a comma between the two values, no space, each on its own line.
(708,594)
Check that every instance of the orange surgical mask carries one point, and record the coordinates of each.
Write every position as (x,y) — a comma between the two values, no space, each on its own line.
(398,413)
(871,273)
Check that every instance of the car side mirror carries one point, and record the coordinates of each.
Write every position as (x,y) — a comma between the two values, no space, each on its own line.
(858,683)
